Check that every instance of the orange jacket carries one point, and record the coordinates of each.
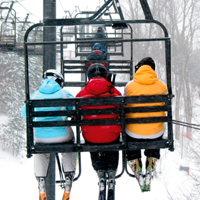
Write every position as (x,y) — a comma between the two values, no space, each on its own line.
(145,82)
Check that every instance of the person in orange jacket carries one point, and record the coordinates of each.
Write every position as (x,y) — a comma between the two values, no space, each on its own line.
(145,82)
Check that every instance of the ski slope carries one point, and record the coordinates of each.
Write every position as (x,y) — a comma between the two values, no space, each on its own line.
(18,180)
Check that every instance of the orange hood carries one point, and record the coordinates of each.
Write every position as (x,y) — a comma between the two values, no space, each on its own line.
(145,75)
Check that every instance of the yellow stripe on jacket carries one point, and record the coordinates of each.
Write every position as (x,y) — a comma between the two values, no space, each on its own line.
(145,82)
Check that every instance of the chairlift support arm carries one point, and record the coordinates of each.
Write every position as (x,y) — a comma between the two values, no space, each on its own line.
(146,9)
(11,6)
(119,10)
(25,21)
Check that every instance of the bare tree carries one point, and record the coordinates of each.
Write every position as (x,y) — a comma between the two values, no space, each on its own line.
(12,94)
(182,21)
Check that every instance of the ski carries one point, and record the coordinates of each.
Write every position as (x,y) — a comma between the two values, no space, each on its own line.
(111,190)
(102,189)
(69,176)
(140,179)
(147,183)
(66,196)
(42,196)
(135,166)
(42,189)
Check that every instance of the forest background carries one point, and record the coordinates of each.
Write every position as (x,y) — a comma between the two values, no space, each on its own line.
(182,20)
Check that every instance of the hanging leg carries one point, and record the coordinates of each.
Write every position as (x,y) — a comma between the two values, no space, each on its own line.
(111,184)
(69,167)
(150,167)
(42,188)
(41,163)
(69,177)
(136,167)
(102,184)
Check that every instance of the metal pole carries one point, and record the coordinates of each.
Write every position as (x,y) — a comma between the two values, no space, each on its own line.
(49,34)
(49,62)
(50,179)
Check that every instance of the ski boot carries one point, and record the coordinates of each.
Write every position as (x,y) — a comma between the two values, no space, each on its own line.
(69,177)
(42,189)
(102,184)
(136,167)
(150,168)
(111,184)
(151,163)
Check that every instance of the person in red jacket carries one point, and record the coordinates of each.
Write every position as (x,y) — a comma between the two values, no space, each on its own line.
(105,163)
(97,54)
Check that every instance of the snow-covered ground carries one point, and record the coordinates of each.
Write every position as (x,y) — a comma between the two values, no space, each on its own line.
(169,183)
(18,181)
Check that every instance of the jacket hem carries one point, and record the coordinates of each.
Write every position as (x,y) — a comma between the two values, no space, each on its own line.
(61,139)
(134,135)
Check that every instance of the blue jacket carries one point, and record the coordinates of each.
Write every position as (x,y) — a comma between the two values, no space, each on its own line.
(49,89)
(100,35)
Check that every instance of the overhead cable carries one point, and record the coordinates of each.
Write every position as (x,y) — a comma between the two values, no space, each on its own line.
(189,125)
(62,6)
(27,10)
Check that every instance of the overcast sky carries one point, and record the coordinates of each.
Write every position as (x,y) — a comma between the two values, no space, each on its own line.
(35,7)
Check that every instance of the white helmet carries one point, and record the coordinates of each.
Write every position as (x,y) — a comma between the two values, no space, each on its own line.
(55,75)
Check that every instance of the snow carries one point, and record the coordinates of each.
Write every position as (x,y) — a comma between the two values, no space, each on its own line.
(3,119)
(169,183)
(17,176)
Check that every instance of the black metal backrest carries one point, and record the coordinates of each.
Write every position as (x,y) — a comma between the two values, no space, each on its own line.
(71,67)
(77,121)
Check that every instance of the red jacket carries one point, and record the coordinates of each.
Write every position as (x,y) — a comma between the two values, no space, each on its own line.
(97,55)
(100,87)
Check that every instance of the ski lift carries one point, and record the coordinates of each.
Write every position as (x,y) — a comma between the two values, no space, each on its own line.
(8,27)
(90,32)
(7,37)
(84,32)
(78,145)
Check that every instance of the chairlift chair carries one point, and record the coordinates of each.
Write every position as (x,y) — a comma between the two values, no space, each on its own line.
(78,146)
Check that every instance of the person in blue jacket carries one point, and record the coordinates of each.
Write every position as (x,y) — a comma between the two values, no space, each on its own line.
(51,88)
(100,34)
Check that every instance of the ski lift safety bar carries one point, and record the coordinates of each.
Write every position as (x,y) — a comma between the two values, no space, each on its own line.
(76,121)
(78,21)
(82,21)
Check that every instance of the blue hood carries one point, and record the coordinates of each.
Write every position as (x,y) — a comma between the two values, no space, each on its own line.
(49,86)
